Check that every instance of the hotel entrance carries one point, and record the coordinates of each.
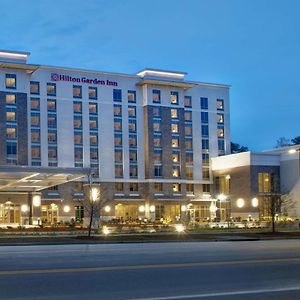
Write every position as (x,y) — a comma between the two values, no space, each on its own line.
(127,213)
(10,213)
(167,213)
(49,214)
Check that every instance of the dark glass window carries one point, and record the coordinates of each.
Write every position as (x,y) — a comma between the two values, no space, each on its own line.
(34,87)
(132,96)
(174,97)
(117,95)
(156,96)
(204,103)
(204,117)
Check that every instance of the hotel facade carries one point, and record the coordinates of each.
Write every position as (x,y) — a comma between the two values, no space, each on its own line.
(147,139)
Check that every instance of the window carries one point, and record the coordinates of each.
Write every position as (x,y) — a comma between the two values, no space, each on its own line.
(51,121)
(93,139)
(132,141)
(187,101)
(204,117)
(35,152)
(118,171)
(205,159)
(93,93)
(204,130)
(156,112)
(188,130)
(189,172)
(220,118)
(174,97)
(117,125)
(51,105)
(133,187)
(157,141)
(133,171)
(176,188)
(118,156)
(35,136)
(77,91)
(131,96)
(119,187)
(220,131)
(34,87)
(156,96)
(189,188)
(11,133)
(176,171)
(157,171)
(220,104)
(132,126)
(94,154)
(93,109)
(174,128)
(117,95)
(10,116)
(205,144)
(175,157)
(77,138)
(133,156)
(118,140)
(10,99)
(93,122)
(78,153)
(206,188)
(188,143)
(156,126)
(117,110)
(52,137)
(77,122)
(265,182)
(188,116)
(174,113)
(77,107)
(221,145)
(204,103)
(51,89)
(205,173)
(11,81)
(188,157)
(11,149)
(158,187)
(52,153)
(131,111)
(157,156)
(175,142)
(34,103)
(35,119)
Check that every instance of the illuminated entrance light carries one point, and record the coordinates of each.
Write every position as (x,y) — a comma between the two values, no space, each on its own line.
(24,208)
(240,202)
(36,200)
(107,208)
(254,202)
(67,208)
(152,208)
(179,228)
(141,208)
(183,208)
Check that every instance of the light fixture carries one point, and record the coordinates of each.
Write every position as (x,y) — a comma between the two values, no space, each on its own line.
(67,208)
(36,200)
(141,208)
(107,208)
(240,202)
(227,177)
(95,194)
(213,208)
(24,208)
(254,202)
(222,197)
(179,228)
(183,208)
(292,151)
(152,208)
(105,230)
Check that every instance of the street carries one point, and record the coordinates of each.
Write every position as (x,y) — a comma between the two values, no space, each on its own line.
(152,271)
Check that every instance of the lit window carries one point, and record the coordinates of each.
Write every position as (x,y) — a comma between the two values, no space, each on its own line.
(78,122)
(52,153)
(175,157)
(93,139)
(205,173)
(204,103)
(93,108)
(51,105)
(51,89)
(35,136)
(188,144)
(157,141)
(132,126)
(34,87)
(174,128)
(220,118)
(11,81)
(156,96)
(158,187)
(174,113)
(10,116)
(132,96)
(118,171)
(78,138)
(133,171)
(34,103)
(35,152)
(93,123)
(11,133)
(77,91)
(131,111)
(220,104)
(156,126)
(10,99)
(52,137)
(92,93)
(189,157)
(187,101)
(188,116)
(35,119)
(176,171)
(175,142)
(132,141)
(157,157)
(189,172)
(117,125)
(117,110)
(174,97)
(118,156)
(118,140)
(133,156)
(176,187)
(188,130)
(220,131)
(77,107)
(119,187)
(117,95)
(51,121)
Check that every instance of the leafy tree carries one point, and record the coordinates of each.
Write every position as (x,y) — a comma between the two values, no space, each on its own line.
(237,148)
(282,142)
(296,140)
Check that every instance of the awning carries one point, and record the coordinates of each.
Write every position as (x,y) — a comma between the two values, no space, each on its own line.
(32,179)
(25,67)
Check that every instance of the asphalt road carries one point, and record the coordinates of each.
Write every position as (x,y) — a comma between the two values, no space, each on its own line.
(152,271)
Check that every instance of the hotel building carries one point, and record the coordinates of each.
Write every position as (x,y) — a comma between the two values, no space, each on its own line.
(147,138)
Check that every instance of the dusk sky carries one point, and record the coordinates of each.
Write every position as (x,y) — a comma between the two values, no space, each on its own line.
(252,45)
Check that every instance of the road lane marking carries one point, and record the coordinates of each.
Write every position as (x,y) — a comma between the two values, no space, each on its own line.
(153,266)
(221,294)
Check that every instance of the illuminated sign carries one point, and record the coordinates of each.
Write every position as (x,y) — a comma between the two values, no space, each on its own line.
(63,77)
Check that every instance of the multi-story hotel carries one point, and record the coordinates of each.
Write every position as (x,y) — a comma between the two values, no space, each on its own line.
(147,138)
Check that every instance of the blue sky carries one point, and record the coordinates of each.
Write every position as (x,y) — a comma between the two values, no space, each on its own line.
(252,45)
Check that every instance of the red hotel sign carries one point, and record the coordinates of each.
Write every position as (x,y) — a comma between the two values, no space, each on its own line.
(63,77)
